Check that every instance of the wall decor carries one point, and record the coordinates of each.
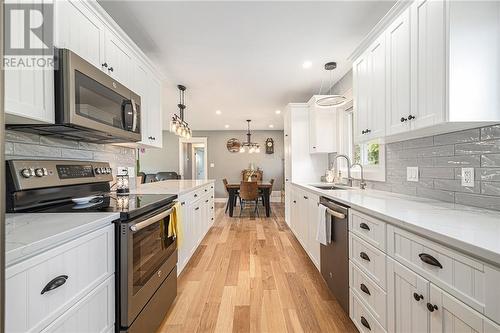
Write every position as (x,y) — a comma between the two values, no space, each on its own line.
(233,145)
(269,146)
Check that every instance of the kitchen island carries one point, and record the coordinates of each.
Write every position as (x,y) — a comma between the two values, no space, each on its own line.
(197,211)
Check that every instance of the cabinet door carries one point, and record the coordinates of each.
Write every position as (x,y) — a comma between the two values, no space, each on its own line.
(303,219)
(428,62)
(361,93)
(186,228)
(29,92)
(407,295)
(119,59)
(451,315)
(376,104)
(77,28)
(312,223)
(155,112)
(398,74)
(322,129)
(140,85)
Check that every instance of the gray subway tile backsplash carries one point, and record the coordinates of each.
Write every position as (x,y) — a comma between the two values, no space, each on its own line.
(26,145)
(440,159)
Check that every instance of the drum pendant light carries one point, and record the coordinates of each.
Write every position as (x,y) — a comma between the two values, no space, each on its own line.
(330,100)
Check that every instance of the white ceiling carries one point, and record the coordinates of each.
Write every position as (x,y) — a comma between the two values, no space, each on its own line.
(244,58)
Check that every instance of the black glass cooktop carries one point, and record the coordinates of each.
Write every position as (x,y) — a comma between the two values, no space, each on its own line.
(128,206)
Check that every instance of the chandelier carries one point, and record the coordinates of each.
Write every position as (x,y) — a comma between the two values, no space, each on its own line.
(251,146)
(330,100)
(177,124)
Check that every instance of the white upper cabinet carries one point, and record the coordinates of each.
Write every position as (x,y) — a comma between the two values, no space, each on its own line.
(322,128)
(398,74)
(433,85)
(29,93)
(370,92)
(78,29)
(118,57)
(427,63)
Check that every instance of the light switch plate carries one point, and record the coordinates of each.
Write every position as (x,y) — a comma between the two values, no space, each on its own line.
(412,174)
(212,165)
(468,177)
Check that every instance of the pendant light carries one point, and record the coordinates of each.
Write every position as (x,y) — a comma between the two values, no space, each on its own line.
(330,100)
(177,124)
(252,147)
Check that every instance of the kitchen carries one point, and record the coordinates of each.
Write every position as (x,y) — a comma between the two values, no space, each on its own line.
(157,188)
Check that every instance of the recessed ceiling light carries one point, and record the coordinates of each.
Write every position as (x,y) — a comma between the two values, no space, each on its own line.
(271,126)
(307,64)
(218,112)
(226,126)
(277,111)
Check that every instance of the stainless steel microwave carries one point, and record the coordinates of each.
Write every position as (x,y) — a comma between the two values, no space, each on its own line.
(90,105)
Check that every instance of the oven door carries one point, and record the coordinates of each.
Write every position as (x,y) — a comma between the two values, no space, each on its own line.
(89,98)
(147,256)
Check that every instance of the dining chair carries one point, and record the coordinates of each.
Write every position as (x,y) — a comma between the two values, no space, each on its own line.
(249,191)
(261,192)
(225,182)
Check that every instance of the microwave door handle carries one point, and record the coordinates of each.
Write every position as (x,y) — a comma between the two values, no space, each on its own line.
(151,220)
(134,110)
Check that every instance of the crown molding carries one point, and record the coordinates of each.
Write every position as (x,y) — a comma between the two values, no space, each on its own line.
(391,15)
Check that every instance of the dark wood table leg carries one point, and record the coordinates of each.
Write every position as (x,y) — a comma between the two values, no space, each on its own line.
(267,201)
(232,199)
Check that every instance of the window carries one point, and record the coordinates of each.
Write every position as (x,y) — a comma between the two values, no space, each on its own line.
(370,155)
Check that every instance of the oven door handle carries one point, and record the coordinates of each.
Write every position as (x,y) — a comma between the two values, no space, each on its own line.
(151,220)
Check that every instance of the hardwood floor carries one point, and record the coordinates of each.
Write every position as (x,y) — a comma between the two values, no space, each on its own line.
(251,275)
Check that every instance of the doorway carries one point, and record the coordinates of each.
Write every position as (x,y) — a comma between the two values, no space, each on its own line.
(193,158)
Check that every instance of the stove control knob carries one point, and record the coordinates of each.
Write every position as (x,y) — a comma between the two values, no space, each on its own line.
(98,171)
(39,172)
(45,171)
(109,170)
(26,173)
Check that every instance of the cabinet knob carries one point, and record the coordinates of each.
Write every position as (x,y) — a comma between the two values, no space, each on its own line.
(314,147)
(368,131)
(105,65)
(363,132)
(294,201)
(403,119)
(306,197)
(431,307)
(417,297)
(111,69)
(410,117)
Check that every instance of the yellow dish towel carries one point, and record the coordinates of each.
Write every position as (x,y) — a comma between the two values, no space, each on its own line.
(175,225)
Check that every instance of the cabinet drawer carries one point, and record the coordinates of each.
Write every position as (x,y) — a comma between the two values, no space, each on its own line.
(370,260)
(86,261)
(373,297)
(468,279)
(368,228)
(361,317)
(94,313)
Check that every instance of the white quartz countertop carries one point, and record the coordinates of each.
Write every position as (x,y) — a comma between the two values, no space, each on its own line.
(471,230)
(178,187)
(32,233)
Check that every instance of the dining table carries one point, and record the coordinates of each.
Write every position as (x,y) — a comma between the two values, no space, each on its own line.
(264,186)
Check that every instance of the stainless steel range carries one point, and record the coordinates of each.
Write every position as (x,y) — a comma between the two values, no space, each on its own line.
(146,258)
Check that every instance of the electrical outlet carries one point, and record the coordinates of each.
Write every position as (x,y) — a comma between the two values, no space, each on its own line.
(122,171)
(412,174)
(468,177)
(212,165)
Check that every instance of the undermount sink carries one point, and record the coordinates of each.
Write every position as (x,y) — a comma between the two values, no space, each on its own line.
(328,187)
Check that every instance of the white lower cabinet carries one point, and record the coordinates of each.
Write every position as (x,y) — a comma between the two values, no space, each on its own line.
(417,285)
(94,313)
(82,265)
(197,214)
(408,294)
(304,221)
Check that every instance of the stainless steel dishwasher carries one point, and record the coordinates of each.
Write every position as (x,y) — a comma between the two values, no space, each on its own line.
(335,256)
